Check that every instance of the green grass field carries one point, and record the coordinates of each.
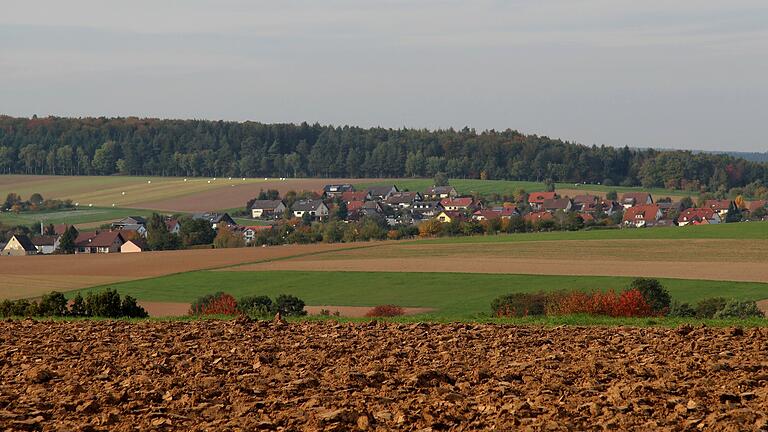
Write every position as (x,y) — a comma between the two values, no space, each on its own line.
(454,295)
(509,187)
(82,215)
(744,231)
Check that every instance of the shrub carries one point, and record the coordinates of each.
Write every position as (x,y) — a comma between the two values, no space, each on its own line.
(629,303)
(6,308)
(129,308)
(203,301)
(739,309)
(53,304)
(104,304)
(255,305)
(385,311)
(654,293)
(78,306)
(219,304)
(681,310)
(289,305)
(707,308)
(519,304)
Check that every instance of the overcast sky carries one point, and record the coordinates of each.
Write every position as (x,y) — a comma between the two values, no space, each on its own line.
(682,74)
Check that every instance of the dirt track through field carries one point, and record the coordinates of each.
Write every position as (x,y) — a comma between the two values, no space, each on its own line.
(240,375)
(686,259)
(31,276)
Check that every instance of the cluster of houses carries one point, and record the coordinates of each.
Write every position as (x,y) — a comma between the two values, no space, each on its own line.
(441,203)
(444,204)
(127,235)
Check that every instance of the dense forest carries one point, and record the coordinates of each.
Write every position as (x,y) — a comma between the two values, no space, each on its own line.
(133,146)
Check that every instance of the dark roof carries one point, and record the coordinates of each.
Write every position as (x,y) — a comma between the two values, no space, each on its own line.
(101,239)
(403,197)
(381,190)
(307,205)
(214,217)
(45,240)
(440,190)
(266,204)
(336,188)
(25,242)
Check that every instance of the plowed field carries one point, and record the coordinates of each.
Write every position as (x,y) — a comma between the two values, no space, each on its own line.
(239,375)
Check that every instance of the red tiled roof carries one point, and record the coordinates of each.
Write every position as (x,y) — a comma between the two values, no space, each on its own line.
(754,205)
(538,216)
(354,196)
(639,197)
(717,205)
(488,214)
(539,197)
(647,212)
(460,202)
(696,214)
(354,205)
(586,217)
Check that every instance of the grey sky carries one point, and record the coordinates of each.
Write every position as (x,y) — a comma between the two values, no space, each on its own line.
(684,74)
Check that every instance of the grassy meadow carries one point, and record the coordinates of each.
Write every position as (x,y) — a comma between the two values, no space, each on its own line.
(453,295)
(82,215)
(509,187)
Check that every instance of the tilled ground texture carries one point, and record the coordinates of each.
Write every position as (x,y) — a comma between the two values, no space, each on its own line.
(241,375)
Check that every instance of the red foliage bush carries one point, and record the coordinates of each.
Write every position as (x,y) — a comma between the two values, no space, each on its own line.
(629,303)
(385,311)
(222,304)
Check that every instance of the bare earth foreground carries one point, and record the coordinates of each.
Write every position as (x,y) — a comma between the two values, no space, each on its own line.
(241,375)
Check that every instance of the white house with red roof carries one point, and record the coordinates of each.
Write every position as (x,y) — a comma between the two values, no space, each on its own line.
(536,199)
(642,215)
(458,204)
(696,216)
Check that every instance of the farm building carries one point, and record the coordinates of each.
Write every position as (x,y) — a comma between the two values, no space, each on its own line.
(46,244)
(19,245)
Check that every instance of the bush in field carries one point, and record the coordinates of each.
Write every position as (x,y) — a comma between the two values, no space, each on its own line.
(104,304)
(289,305)
(203,301)
(629,303)
(129,308)
(681,310)
(707,308)
(385,311)
(255,305)
(215,304)
(78,306)
(739,309)
(654,293)
(53,304)
(519,305)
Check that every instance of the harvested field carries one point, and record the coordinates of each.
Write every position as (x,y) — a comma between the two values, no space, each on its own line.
(233,195)
(217,375)
(171,194)
(165,309)
(639,258)
(68,272)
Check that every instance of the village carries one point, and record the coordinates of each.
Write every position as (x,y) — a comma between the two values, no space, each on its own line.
(393,208)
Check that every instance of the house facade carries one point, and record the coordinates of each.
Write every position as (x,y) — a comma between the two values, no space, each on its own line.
(437,193)
(19,245)
(99,242)
(316,208)
(267,209)
(642,215)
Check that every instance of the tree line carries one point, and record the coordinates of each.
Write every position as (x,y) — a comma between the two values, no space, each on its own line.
(134,146)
